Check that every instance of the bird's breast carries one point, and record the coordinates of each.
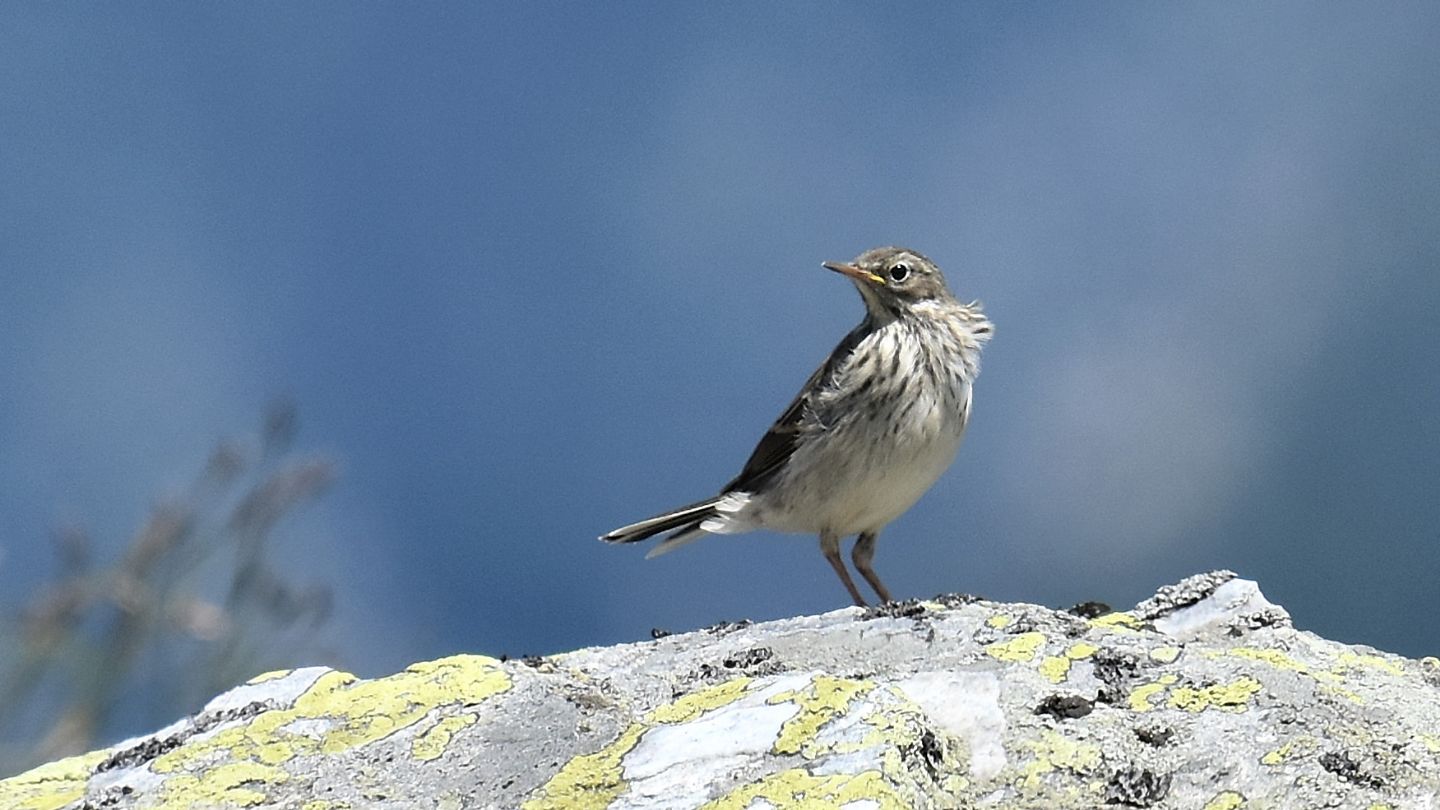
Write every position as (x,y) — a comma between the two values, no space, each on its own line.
(888,427)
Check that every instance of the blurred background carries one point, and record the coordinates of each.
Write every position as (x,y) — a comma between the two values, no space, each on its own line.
(335,334)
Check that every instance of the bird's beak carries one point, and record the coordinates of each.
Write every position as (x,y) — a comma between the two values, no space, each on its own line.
(853,272)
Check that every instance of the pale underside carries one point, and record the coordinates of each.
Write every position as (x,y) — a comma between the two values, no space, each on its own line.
(876,460)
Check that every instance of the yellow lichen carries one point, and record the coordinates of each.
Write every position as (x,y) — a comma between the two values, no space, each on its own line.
(275,753)
(238,784)
(1293,749)
(956,785)
(1054,668)
(897,724)
(693,705)
(1348,694)
(1119,620)
(1278,755)
(589,782)
(370,710)
(1140,695)
(1165,655)
(272,675)
(433,743)
(1327,679)
(998,621)
(52,785)
(1226,800)
(1230,697)
(798,789)
(238,762)
(820,701)
(593,781)
(894,727)
(1274,658)
(1350,659)
(1020,648)
(1054,751)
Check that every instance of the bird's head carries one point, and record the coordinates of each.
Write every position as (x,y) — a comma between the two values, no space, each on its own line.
(893,279)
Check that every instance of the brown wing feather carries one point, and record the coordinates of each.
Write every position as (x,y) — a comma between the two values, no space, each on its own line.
(778,443)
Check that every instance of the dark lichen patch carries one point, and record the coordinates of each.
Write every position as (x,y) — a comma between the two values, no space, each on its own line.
(1349,768)
(1430,670)
(1269,617)
(725,628)
(928,751)
(152,747)
(1182,594)
(1089,610)
(906,609)
(1065,707)
(143,752)
(1158,736)
(745,659)
(539,663)
(1022,624)
(118,796)
(1115,670)
(753,661)
(209,719)
(1137,787)
(954,600)
(1074,626)
(657,633)
(108,798)
(1198,588)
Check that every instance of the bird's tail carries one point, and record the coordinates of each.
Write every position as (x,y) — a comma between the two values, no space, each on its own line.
(683,518)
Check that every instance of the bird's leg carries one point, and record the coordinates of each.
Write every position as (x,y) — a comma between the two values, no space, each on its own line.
(830,546)
(862,554)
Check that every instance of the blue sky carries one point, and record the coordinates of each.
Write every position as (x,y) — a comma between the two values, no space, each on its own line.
(531,271)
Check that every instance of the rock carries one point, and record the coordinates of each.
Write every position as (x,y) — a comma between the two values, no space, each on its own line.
(1203,696)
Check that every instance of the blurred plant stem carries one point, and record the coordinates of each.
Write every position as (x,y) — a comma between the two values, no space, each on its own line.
(191,607)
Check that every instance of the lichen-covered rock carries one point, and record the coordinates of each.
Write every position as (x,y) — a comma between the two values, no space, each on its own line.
(1203,696)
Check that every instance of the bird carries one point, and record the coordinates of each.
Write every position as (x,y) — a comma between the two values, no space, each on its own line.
(868,434)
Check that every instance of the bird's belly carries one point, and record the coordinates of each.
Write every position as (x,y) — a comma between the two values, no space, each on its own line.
(853,482)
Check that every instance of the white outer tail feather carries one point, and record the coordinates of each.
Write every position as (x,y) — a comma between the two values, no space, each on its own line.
(730,520)
(730,506)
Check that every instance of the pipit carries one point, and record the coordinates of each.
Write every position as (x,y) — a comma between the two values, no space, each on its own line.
(870,432)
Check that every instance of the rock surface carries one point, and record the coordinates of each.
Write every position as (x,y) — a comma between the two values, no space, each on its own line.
(1202,696)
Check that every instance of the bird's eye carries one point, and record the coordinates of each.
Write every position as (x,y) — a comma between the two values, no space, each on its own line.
(899,272)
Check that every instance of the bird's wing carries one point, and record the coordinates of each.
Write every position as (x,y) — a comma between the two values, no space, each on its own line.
(778,443)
